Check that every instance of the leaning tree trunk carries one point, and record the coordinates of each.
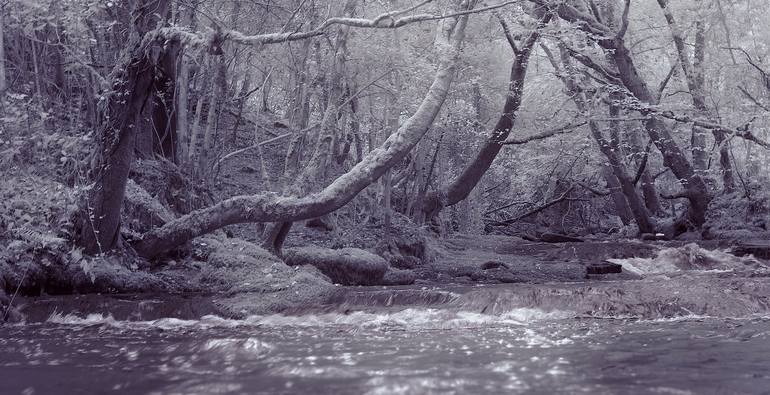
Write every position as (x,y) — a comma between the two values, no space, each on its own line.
(100,221)
(694,186)
(610,148)
(462,186)
(271,207)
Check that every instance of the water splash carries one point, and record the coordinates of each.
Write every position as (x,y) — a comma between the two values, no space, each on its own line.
(689,257)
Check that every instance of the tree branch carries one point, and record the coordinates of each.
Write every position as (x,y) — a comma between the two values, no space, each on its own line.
(543,135)
(643,165)
(624,21)
(593,190)
(538,209)
(508,32)
(664,83)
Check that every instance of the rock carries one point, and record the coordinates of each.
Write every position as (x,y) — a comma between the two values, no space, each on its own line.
(496,275)
(760,249)
(557,238)
(322,223)
(399,277)
(604,268)
(689,236)
(404,261)
(346,266)
(493,265)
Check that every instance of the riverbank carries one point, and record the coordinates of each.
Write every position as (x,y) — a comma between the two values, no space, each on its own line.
(232,278)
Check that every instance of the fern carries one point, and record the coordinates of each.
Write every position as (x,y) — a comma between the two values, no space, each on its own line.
(39,240)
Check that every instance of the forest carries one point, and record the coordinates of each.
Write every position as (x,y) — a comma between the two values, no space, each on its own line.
(180,145)
(384,196)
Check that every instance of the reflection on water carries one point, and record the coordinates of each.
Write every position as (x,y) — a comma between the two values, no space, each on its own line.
(413,351)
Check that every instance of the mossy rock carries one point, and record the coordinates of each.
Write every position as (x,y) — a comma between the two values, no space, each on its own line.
(346,266)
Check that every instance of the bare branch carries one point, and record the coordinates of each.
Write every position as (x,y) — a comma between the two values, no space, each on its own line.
(507,31)
(540,208)
(664,83)
(593,190)
(586,60)
(393,14)
(543,135)
(753,99)
(624,21)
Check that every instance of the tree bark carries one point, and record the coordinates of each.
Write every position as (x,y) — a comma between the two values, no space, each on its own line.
(618,198)
(3,83)
(271,207)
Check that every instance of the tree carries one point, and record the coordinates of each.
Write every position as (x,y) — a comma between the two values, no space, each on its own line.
(133,80)
(270,207)
(459,188)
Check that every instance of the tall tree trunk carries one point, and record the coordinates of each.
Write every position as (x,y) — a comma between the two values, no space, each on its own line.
(100,221)
(182,103)
(459,188)
(3,81)
(650,192)
(196,126)
(269,207)
(695,76)
(622,209)
(164,110)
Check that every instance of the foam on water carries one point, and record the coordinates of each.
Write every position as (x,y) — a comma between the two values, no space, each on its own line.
(410,318)
(688,257)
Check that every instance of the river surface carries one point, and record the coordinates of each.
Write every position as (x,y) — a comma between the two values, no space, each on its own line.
(413,350)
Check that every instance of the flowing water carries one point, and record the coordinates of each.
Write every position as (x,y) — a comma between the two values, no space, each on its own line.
(665,334)
(398,351)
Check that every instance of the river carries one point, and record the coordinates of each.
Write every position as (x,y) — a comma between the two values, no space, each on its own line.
(415,349)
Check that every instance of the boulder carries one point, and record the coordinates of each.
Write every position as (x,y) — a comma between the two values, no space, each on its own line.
(322,223)
(346,266)
(399,277)
(603,268)
(493,265)
(760,249)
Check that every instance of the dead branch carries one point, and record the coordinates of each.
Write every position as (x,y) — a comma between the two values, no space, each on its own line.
(562,197)
(543,135)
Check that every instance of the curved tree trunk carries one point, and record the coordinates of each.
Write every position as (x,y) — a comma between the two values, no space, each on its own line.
(271,207)
(462,186)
